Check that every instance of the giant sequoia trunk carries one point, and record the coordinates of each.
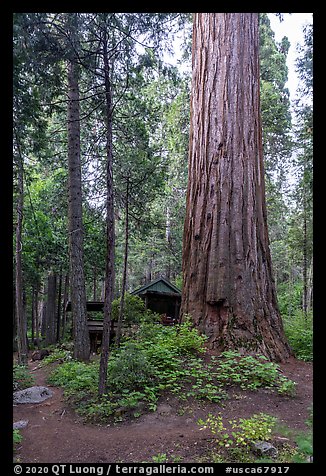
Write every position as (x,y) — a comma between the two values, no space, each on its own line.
(78,292)
(228,285)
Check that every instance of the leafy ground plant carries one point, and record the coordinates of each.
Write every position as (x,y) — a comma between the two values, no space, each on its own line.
(161,359)
(299,331)
(251,372)
(242,432)
(236,438)
(17,437)
(21,377)
(57,355)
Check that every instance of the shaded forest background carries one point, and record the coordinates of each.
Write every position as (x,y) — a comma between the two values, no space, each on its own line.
(150,126)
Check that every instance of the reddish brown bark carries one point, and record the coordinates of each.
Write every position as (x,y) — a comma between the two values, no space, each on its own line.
(110,227)
(21,322)
(228,285)
(76,245)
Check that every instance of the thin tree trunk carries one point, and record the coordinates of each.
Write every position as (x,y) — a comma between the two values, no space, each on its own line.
(310,287)
(78,291)
(50,328)
(59,307)
(36,316)
(14,330)
(149,270)
(109,275)
(42,309)
(33,314)
(102,289)
(125,267)
(305,244)
(95,283)
(168,240)
(228,286)
(65,301)
(22,345)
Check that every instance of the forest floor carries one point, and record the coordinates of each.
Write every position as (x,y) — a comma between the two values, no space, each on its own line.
(55,434)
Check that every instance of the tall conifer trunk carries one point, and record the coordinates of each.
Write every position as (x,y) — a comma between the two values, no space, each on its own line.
(78,291)
(22,344)
(50,315)
(125,267)
(109,272)
(228,285)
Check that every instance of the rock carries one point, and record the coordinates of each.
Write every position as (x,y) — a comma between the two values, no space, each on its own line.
(18,425)
(164,409)
(265,448)
(40,354)
(119,412)
(32,395)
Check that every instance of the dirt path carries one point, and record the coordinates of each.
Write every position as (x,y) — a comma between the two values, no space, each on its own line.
(55,434)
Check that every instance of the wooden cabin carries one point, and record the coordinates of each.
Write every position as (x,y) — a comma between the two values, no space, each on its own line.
(95,326)
(160,296)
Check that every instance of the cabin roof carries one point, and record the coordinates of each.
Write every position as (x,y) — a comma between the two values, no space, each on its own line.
(160,286)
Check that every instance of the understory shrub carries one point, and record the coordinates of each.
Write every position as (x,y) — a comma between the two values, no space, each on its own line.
(134,310)
(17,437)
(251,372)
(77,378)
(158,359)
(130,368)
(243,431)
(299,331)
(21,377)
(236,438)
(60,355)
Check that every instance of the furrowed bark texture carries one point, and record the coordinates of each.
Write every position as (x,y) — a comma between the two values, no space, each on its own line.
(50,316)
(78,292)
(22,344)
(110,229)
(228,285)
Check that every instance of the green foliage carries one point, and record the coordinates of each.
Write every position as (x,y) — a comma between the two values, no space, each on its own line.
(77,378)
(289,298)
(188,339)
(60,355)
(252,372)
(299,331)
(160,458)
(304,446)
(162,359)
(130,368)
(235,439)
(21,377)
(182,339)
(244,431)
(17,437)
(134,309)
(276,117)
(298,326)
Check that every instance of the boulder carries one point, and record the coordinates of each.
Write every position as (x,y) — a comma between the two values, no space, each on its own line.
(164,409)
(32,395)
(265,448)
(40,354)
(18,425)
